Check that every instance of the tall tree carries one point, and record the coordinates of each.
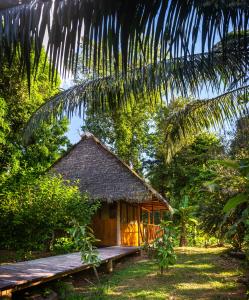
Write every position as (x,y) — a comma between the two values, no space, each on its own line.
(240,141)
(17,105)
(126,131)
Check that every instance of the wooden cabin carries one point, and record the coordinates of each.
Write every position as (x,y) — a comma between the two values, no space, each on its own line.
(131,209)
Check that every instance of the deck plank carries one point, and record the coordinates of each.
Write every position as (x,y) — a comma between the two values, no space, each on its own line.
(20,275)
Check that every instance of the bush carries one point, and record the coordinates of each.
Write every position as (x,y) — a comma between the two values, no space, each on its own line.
(35,211)
(164,246)
(63,245)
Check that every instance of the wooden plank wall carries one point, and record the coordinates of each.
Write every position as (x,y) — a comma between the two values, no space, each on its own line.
(129,224)
(104,225)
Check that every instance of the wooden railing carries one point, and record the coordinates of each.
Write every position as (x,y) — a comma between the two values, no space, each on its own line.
(150,232)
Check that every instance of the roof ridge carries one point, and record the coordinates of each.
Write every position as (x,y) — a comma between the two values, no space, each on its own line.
(88,135)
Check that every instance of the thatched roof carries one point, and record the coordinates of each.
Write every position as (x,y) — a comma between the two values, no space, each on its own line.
(103,175)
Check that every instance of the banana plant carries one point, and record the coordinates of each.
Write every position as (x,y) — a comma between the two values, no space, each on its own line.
(184,217)
(242,167)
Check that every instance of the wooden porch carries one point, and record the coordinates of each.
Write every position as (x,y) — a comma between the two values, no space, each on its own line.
(128,224)
(17,276)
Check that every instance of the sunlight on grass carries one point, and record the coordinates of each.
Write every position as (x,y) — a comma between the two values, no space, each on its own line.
(199,274)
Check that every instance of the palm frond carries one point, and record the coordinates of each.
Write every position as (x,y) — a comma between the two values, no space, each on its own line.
(201,115)
(142,30)
(187,75)
(10,3)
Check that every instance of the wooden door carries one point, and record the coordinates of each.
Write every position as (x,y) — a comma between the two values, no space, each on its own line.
(129,224)
(104,225)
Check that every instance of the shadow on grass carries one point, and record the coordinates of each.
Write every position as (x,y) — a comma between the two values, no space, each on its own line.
(195,276)
(198,274)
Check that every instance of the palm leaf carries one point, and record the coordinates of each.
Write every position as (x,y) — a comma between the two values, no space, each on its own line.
(142,30)
(184,75)
(201,115)
(233,202)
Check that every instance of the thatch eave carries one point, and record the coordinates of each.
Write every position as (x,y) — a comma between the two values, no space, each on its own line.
(104,175)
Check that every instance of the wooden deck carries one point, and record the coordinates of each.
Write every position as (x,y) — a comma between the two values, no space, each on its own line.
(16,276)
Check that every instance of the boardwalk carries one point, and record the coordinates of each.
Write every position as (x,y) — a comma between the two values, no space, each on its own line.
(21,275)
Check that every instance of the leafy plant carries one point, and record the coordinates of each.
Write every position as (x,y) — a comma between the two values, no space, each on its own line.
(184,218)
(37,210)
(242,167)
(84,240)
(164,246)
(63,245)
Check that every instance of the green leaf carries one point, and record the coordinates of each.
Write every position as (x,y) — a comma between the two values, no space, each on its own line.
(235,201)
(229,164)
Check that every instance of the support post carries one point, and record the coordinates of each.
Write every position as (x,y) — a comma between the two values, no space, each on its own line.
(153,221)
(109,266)
(7,294)
(138,210)
(118,225)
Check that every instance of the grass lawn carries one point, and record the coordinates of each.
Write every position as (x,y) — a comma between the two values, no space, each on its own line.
(198,274)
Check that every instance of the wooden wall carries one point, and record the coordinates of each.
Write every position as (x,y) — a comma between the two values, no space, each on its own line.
(132,217)
(104,224)
(129,219)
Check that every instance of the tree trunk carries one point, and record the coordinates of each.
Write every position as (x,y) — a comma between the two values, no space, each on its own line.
(183,238)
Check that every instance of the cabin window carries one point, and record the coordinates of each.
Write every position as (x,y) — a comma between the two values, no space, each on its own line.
(145,216)
(157,217)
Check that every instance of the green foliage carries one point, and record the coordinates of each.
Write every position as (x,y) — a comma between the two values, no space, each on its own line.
(235,201)
(239,148)
(185,174)
(85,240)
(63,245)
(35,210)
(229,195)
(200,115)
(164,246)
(126,131)
(17,104)
(184,218)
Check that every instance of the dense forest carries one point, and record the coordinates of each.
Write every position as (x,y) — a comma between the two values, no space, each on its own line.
(164,85)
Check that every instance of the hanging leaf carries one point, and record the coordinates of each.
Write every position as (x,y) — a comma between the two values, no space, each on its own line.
(141,31)
(235,201)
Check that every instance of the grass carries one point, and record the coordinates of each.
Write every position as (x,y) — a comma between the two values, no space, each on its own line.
(198,274)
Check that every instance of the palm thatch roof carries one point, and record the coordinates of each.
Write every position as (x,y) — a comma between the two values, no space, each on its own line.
(103,175)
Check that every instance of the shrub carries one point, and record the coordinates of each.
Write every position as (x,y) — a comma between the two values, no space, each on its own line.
(164,246)
(63,245)
(35,211)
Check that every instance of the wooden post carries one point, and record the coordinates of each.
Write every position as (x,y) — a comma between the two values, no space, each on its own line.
(153,221)
(118,225)
(109,266)
(138,210)
(7,294)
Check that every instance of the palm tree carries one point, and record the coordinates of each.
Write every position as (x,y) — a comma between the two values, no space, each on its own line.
(138,46)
